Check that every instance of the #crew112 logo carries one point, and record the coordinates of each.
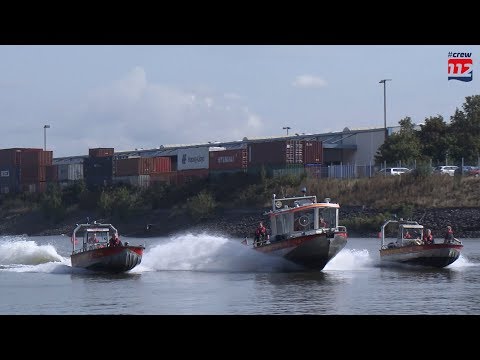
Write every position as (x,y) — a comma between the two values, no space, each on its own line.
(460,66)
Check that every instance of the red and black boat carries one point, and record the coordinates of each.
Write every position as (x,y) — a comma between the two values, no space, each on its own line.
(304,231)
(98,252)
(410,247)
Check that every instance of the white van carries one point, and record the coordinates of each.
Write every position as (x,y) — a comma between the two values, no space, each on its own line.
(394,171)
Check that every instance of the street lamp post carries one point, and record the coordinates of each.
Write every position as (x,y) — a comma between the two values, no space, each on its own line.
(286,128)
(45,127)
(384,81)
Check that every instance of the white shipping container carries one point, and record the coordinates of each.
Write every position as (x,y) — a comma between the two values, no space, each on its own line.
(70,172)
(142,181)
(193,158)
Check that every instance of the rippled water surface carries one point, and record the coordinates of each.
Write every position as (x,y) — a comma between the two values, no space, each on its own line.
(207,274)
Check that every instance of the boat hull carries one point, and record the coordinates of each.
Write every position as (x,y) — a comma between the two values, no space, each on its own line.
(312,252)
(109,259)
(433,255)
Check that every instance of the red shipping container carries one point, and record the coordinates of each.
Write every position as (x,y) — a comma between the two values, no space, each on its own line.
(162,164)
(41,187)
(273,152)
(100,152)
(313,152)
(185,176)
(10,157)
(127,167)
(36,158)
(228,159)
(13,156)
(51,173)
(32,174)
(169,178)
(294,152)
(278,152)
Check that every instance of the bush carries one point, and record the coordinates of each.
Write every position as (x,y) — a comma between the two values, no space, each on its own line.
(201,206)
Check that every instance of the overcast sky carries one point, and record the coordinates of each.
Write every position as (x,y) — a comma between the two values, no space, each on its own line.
(135,96)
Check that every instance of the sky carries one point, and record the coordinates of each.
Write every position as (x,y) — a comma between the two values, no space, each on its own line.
(144,96)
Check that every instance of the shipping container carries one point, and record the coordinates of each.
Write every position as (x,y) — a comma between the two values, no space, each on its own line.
(278,152)
(174,161)
(128,166)
(38,187)
(36,158)
(32,174)
(313,152)
(228,159)
(98,171)
(70,172)
(218,173)
(294,152)
(10,157)
(9,178)
(51,173)
(13,156)
(141,181)
(98,166)
(162,164)
(273,152)
(186,176)
(98,181)
(141,166)
(169,178)
(192,158)
(100,152)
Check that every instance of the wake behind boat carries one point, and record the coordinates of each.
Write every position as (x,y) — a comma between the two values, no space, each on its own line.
(101,249)
(304,231)
(412,248)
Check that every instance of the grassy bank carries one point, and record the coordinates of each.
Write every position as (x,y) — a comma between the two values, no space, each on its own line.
(242,197)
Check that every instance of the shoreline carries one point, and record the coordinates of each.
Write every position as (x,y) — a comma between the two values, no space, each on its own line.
(236,223)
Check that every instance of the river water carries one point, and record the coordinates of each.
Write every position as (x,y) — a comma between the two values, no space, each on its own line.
(212,274)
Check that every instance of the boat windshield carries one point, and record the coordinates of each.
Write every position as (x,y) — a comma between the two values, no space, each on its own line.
(411,232)
(329,216)
(94,238)
(304,220)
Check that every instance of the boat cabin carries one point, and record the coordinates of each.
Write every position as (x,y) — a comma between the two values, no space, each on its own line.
(302,215)
(409,234)
(92,236)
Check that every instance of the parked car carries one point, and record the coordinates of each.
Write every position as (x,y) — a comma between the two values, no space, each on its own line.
(446,170)
(474,171)
(394,171)
(464,170)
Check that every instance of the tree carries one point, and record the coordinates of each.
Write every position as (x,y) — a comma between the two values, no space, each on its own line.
(73,192)
(201,206)
(434,138)
(51,204)
(401,146)
(465,130)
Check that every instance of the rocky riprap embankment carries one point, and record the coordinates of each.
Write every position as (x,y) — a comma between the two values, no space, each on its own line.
(239,223)
(465,221)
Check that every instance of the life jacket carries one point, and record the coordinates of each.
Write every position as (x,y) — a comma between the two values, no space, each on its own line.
(260,232)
